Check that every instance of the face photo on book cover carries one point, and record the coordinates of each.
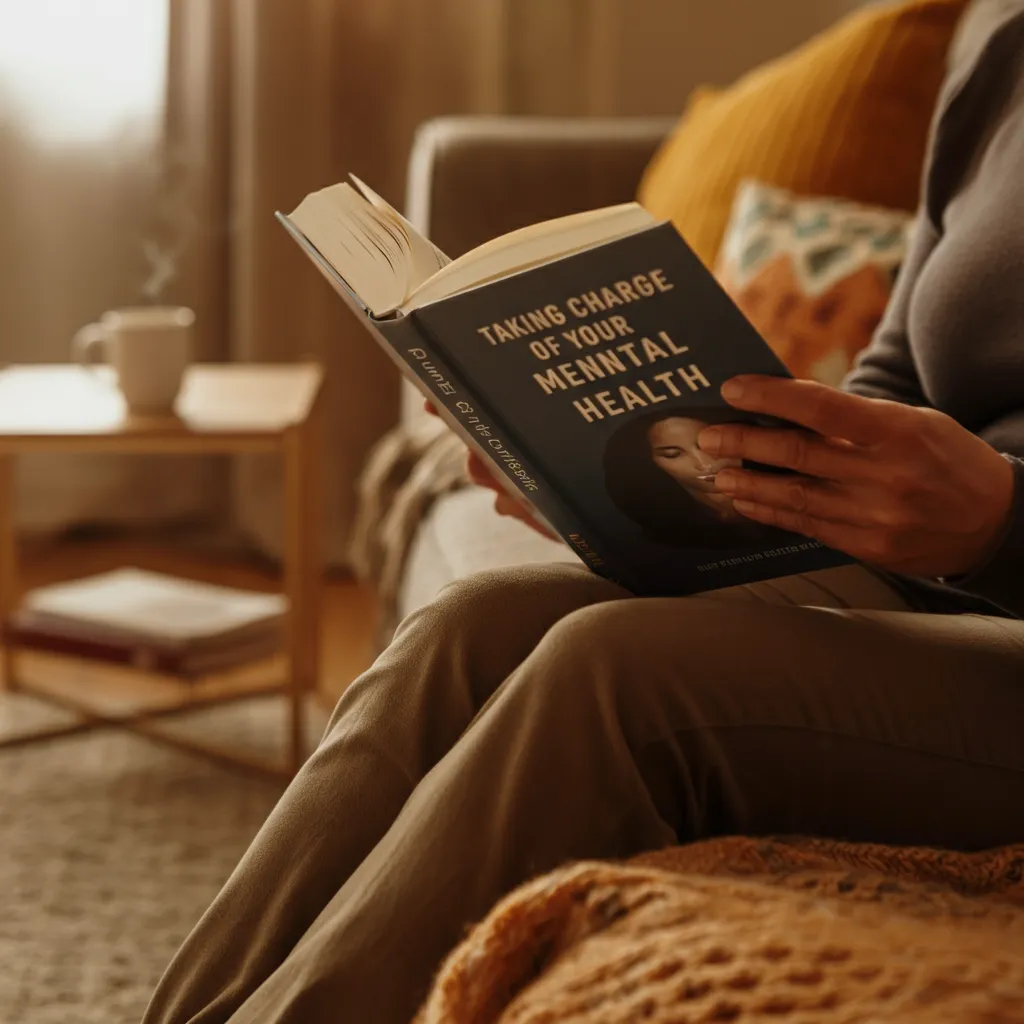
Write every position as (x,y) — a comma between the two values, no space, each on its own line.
(657,475)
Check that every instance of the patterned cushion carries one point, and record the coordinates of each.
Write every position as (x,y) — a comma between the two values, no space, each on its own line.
(813,275)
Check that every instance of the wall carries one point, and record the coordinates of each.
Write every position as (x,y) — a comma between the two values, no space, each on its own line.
(624,57)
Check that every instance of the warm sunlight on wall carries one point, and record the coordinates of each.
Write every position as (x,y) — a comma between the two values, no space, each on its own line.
(74,71)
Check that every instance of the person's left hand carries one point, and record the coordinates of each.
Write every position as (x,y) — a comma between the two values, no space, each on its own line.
(904,488)
(505,504)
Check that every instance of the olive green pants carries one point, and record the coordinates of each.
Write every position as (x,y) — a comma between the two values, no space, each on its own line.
(532,716)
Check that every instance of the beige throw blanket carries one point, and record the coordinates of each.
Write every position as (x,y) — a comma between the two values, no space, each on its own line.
(407,470)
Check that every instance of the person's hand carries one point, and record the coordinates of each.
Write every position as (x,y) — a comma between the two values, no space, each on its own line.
(904,488)
(504,504)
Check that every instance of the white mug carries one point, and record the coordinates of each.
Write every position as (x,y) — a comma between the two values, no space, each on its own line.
(150,347)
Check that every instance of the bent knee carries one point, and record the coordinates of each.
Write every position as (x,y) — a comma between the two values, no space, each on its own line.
(515,599)
(637,643)
(608,632)
(503,592)
(700,622)
(707,648)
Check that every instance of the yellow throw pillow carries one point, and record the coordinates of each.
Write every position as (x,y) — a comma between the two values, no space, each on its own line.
(847,115)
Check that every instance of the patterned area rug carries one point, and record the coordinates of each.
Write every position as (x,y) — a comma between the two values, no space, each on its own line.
(111,847)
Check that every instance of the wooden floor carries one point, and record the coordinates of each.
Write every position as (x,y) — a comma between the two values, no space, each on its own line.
(349,615)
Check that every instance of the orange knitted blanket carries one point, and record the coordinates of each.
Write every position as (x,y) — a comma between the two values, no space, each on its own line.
(749,930)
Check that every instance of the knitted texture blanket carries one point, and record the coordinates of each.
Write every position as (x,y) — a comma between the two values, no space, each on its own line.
(750,930)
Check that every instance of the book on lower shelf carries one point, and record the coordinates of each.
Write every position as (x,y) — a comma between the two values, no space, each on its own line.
(581,358)
(151,621)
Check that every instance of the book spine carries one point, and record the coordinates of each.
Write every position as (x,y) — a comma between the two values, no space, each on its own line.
(140,657)
(474,420)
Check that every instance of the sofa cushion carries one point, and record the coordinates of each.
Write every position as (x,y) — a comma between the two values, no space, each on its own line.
(846,115)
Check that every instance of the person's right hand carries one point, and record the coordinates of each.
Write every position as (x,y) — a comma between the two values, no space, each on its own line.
(504,504)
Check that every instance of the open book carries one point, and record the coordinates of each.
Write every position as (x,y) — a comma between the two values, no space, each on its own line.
(392,268)
(581,357)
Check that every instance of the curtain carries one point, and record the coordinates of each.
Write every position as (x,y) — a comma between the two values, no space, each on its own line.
(317,88)
(81,101)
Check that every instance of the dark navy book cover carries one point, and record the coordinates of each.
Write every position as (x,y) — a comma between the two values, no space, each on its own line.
(602,368)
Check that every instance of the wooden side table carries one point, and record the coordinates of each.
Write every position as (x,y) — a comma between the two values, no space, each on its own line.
(222,409)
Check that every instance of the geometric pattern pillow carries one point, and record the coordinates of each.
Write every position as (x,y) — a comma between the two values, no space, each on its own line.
(813,275)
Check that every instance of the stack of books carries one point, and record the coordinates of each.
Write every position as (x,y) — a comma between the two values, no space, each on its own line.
(152,622)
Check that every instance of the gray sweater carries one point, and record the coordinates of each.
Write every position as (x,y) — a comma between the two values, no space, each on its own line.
(953,336)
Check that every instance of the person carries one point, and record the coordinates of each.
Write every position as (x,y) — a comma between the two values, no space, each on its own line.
(538,715)
(657,474)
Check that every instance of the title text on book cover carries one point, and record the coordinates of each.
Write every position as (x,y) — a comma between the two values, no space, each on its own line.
(610,345)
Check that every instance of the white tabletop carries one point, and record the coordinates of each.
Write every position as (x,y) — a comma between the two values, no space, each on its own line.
(216,399)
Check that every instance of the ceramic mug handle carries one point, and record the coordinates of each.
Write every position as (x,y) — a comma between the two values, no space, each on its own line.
(89,345)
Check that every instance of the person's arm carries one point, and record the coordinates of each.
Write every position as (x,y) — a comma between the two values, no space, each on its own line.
(973,110)
(999,577)
(886,370)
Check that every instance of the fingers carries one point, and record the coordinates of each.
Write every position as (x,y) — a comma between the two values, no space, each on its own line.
(865,544)
(506,505)
(834,535)
(799,495)
(429,406)
(480,473)
(838,535)
(798,450)
(825,410)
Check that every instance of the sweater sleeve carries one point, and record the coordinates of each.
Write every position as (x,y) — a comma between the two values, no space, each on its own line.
(999,578)
(886,370)
(981,101)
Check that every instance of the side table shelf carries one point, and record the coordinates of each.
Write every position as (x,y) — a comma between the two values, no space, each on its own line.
(222,409)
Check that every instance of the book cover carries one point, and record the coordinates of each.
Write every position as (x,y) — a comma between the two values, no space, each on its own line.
(585,382)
